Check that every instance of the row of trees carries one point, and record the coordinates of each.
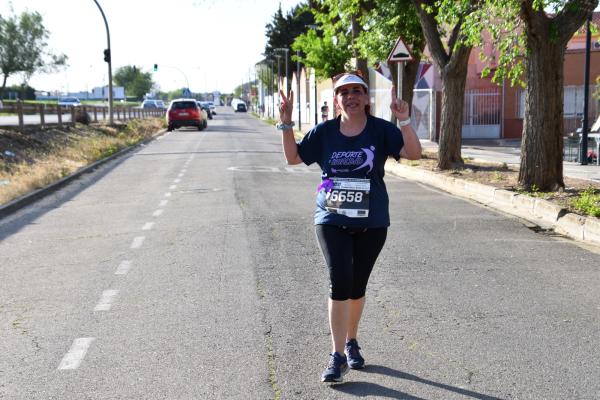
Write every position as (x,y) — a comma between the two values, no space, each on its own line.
(530,38)
(24,51)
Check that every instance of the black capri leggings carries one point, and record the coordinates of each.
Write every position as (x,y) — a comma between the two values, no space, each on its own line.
(350,254)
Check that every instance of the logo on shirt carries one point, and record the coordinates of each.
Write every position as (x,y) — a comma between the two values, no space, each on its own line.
(346,161)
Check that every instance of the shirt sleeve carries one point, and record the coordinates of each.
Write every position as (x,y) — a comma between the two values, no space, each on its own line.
(309,148)
(393,140)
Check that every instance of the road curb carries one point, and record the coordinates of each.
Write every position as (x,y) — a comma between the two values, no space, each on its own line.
(38,194)
(538,211)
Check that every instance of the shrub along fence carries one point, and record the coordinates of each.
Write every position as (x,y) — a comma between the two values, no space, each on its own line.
(21,114)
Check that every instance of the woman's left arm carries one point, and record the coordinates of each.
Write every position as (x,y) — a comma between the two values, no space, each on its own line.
(412,145)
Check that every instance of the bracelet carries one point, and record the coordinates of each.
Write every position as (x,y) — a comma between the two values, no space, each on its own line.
(404,123)
(282,127)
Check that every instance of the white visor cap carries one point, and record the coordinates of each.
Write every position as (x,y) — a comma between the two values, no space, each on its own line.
(349,79)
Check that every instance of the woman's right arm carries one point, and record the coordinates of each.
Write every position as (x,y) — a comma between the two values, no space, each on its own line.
(290,147)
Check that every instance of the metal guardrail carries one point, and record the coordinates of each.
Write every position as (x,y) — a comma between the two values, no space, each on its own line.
(52,114)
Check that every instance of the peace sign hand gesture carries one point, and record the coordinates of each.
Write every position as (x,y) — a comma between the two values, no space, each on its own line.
(286,106)
(399,107)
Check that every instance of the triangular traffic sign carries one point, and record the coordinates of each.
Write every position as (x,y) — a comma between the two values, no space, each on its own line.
(400,52)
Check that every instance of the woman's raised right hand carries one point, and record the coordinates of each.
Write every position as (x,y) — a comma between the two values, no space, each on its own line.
(286,106)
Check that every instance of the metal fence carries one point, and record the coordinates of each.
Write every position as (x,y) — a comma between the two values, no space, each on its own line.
(19,114)
(482,114)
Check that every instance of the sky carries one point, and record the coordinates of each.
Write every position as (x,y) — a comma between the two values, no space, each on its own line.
(212,44)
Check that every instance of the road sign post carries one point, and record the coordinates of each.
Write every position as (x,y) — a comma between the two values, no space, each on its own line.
(399,55)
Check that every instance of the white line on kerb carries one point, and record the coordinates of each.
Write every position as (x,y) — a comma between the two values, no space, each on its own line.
(137,242)
(76,353)
(148,225)
(172,187)
(106,300)
(157,213)
(168,194)
(163,203)
(123,267)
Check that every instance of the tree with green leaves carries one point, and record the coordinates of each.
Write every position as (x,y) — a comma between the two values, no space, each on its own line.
(530,38)
(23,47)
(135,82)
(443,24)
(382,25)
(281,33)
(546,38)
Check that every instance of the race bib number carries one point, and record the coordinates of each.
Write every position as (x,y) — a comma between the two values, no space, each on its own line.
(349,197)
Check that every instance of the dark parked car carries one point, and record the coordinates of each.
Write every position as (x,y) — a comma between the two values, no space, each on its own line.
(204,105)
(241,107)
(185,112)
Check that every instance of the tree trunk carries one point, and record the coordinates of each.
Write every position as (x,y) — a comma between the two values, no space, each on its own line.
(542,142)
(3,87)
(454,77)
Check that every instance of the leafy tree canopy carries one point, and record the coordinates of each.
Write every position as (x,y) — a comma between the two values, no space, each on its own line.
(135,82)
(23,47)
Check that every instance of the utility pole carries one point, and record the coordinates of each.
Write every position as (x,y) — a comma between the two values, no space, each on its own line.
(586,89)
(286,50)
(298,85)
(108,59)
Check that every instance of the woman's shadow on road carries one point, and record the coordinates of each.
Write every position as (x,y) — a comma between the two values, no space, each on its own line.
(363,389)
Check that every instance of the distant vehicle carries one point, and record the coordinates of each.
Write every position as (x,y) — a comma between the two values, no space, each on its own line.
(212,107)
(185,112)
(241,107)
(204,105)
(69,101)
(149,103)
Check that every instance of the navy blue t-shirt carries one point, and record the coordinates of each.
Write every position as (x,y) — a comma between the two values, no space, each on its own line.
(362,156)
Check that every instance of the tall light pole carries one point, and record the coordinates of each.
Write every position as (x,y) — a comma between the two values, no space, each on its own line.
(586,89)
(298,85)
(278,70)
(107,58)
(286,50)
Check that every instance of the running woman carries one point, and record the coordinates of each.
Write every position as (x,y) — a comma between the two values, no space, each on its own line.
(352,216)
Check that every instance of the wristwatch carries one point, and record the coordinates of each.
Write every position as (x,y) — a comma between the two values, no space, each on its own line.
(404,123)
(282,127)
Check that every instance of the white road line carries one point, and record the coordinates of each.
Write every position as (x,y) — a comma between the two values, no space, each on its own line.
(76,353)
(148,225)
(123,268)
(137,242)
(177,180)
(163,203)
(172,187)
(180,175)
(183,171)
(108,296)
(157,213)
(168,194)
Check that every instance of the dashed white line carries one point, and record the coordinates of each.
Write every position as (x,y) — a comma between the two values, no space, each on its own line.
(163,203)
(137,242)
(148,225)
(105,303)
(180,175)
(177,180)
(157,213)
(123,267)
(76,353)
(168,194)
(183,171)
(172,187)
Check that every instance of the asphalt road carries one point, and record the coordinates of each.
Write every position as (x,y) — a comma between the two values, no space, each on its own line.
(189,270)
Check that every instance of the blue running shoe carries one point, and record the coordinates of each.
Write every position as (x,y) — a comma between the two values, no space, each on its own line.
(337,368)
(355,360)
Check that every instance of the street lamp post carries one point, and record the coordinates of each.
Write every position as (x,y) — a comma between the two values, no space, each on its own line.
(586,90)
(286,50)
(107,58)
(298,86)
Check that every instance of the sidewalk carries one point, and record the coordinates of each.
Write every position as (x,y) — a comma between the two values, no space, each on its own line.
(509,152)
(540,212)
